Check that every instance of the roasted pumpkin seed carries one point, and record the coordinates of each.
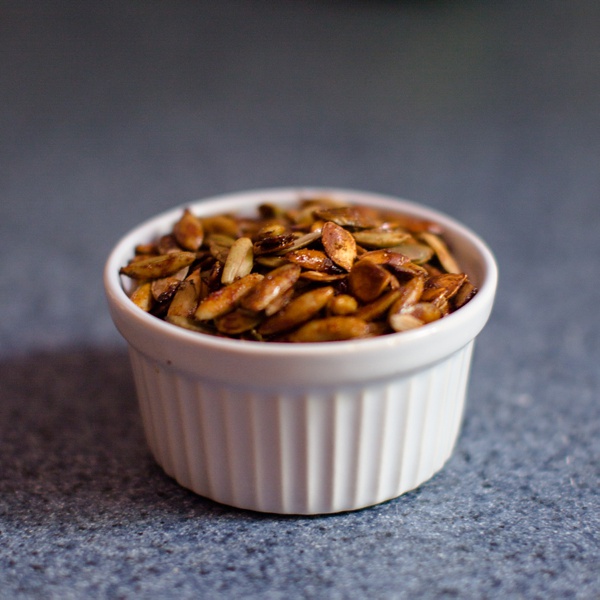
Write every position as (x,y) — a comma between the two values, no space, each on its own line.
(441,249)
(236,322)
(226,299)
(142,296)
(155,267)
(189,231)
(380,238)
(274,284)
(312,260)
(298,311)
(368,280)
(350,216)
(410,293)
(342,304)
(184,301)
(239,261)
(378,308)
(339,245)
(320,271)
(414,251)
(331,329)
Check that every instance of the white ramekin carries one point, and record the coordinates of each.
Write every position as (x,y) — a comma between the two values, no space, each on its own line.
(302,428)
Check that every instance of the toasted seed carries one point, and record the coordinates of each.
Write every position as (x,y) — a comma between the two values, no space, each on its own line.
(441,250)
(268,210)
(236,322)
(331,329)
(410,269)
(270,229)
(313,260)
(412,224)
(320,276)
(164,288)
(219,246)
(274,243)
(380,238)
(339,245)
(279,302)
(302,241)
(226,299)
(377,308)
(424,311)
(213,280)
(376,328)
(298,311)
(385,257)
(270,260)
(410,293)
(350,216)
(142,296)
(368,280)
(404,321)
(415,252)
(189,231)
(387,271)
(155,267)
(167,244)
(438,297)
(274,283)
(320,202)
(239,261)
(220,239)
(464,294)
(196,278)
(184,301)
(189,323)
(146,249)
(342,304)
(450,282)
(224,224)
(302,218)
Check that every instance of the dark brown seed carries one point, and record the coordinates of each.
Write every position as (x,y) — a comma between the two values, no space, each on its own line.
(226,299)
(155,267)
(275,283)
(331,329)
(189,231)
(298,311)
(339,245)
(368,280)
(275,243)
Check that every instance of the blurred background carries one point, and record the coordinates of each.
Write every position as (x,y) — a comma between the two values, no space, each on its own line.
(113,111)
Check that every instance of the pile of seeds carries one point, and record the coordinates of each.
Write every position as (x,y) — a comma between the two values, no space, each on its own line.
(319,271)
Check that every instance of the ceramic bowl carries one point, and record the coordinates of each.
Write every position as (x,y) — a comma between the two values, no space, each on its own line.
(309,428)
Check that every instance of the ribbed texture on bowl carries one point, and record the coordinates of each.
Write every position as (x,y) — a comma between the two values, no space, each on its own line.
(302,452)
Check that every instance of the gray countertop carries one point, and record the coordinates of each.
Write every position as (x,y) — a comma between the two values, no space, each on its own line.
(111,112)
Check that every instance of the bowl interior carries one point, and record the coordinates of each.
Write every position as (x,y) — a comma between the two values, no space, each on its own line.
(428,343)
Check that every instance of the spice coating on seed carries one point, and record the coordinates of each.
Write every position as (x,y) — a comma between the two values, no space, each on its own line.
(319,271)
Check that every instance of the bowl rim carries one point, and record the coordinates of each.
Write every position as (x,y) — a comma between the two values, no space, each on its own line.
(159,223)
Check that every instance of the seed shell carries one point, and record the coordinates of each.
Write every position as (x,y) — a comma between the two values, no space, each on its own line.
(274,284)
(155,267)
(189,231)
(239,261)
(298,311)
(368,280)
(339,245)
(225,299)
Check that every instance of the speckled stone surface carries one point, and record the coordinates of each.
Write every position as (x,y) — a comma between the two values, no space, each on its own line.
(111,112)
